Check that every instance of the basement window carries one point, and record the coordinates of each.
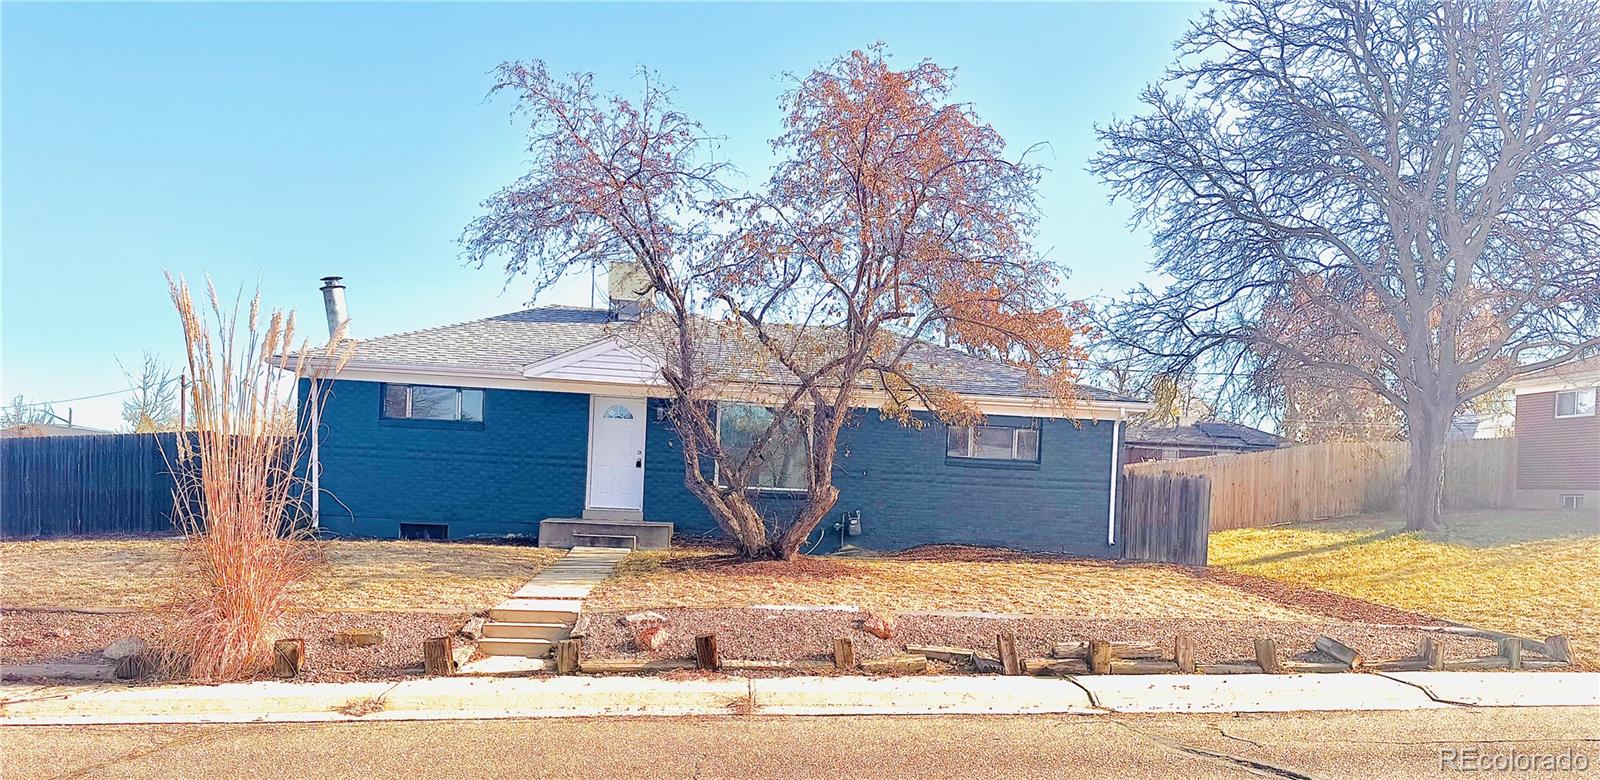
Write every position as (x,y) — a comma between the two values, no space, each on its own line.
(1017,443)
(1572,501)
(1575,403)
(435,531)
(428,402)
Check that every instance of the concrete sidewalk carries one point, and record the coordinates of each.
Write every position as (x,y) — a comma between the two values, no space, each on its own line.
(446,698)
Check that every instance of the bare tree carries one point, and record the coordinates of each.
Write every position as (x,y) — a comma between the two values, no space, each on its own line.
(153,406)
(1400,194)
(892,219)
(21,412)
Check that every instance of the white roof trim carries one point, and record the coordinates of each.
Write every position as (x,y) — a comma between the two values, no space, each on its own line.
(610,360)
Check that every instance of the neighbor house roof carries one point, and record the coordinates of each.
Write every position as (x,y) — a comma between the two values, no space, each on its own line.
(31,430)
(1582,372)
(1205,433)
(507,344)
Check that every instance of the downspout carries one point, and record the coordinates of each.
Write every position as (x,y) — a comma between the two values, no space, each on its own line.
(316,459)
(1116,453)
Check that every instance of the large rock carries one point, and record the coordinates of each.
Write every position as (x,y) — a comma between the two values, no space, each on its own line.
(126,647)
(651,638)
(644,618)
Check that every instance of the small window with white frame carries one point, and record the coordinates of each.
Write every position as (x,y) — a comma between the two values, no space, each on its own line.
(1016,443)
(1571,500)
(429,402)
(1575,403)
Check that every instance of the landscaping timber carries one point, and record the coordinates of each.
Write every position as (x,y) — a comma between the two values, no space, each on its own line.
(942,652)
(1010,662)
(633,665)
(1142,666)
(705,653)
(1339,651)
(1556,648)
(1183,653)
(763,665)
(1432,653)
(1267,656)
(900,664)
(567,655)
(1413,664)
(1314,667)
(844,653)
(438,656)
(1236,667)
(288,655)
(1054,666)
(1483,662)
(1511,648)
(1099,656)
(1118,650)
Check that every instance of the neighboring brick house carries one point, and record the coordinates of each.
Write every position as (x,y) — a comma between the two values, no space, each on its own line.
(1147,441)
(1558,436)
(492,427)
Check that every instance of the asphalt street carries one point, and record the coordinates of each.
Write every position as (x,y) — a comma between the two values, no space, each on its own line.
(1331,745)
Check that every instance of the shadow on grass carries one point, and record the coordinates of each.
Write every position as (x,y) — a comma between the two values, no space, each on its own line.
(1346,544)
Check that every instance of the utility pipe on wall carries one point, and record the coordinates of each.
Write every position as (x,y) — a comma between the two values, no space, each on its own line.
(1116,471)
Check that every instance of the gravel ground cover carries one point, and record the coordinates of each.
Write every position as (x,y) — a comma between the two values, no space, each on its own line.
(778,634)
(27,639)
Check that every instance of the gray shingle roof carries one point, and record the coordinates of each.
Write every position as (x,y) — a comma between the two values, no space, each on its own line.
(509,342)
(1206,433)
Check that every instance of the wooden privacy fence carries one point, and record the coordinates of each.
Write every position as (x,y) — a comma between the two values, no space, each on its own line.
(1334,479)
(1166,518)
(65,485)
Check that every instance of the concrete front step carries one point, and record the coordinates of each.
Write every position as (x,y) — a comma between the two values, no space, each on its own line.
(562,532)
(527,648)
(536,611)
(550,631)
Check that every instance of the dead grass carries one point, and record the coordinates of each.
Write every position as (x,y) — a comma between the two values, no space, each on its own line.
(1528,573)
(708,578)
(379,575)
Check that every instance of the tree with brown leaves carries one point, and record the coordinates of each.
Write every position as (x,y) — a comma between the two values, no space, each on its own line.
(892,220)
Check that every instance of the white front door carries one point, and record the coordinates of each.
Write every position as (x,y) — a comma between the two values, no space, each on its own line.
(616,453)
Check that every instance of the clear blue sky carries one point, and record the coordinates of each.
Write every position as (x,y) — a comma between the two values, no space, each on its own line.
(274,144)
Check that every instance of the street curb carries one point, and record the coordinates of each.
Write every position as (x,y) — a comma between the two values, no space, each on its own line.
(467,698)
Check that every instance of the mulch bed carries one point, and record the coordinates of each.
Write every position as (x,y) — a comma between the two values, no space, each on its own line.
(398,656)
(773,634)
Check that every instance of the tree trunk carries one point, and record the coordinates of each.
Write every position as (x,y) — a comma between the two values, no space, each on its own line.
(1425,478)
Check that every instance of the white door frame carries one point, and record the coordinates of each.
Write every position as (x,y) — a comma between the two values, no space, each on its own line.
(588,465)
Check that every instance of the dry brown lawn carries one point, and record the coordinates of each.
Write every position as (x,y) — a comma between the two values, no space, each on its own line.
(708,578)
(1523,572)
(382,575)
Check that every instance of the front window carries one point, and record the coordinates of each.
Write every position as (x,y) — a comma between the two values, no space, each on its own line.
(426,402)
(783,463)
(994,442)
(1575,403)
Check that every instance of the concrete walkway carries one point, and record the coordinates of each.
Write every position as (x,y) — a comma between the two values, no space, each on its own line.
(469,698)
(572,577)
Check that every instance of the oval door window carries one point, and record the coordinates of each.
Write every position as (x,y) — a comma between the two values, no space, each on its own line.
(618,412)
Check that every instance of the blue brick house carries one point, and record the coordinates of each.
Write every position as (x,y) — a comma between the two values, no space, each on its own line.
(547,419)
